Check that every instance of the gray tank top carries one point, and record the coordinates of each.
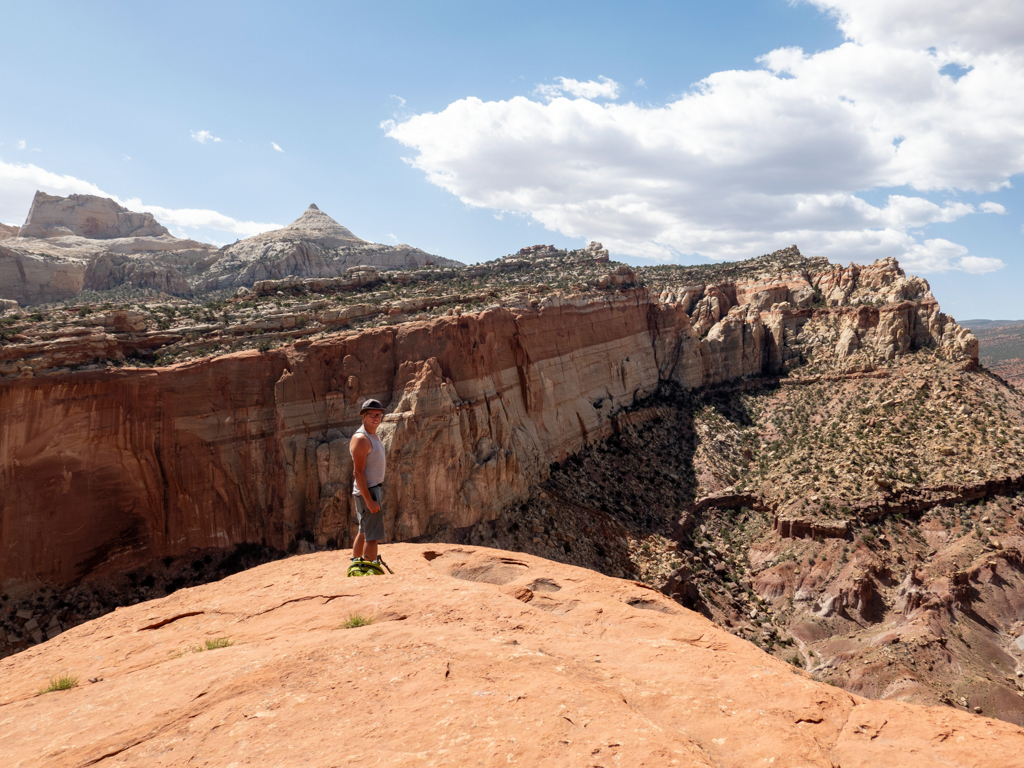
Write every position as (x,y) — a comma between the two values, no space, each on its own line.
(376,463)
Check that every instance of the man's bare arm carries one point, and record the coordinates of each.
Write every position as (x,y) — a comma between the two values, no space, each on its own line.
(360,446)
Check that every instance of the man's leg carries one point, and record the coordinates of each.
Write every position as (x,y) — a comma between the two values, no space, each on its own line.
(370,550)
(358,546)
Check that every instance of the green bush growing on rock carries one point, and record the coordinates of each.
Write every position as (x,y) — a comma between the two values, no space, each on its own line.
(60,683)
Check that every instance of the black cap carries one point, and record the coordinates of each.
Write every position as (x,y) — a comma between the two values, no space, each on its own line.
(371,405)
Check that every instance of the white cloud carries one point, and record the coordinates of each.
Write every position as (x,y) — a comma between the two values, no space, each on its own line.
(21,144)
(749,161)
(979,265)
(199,218)
(19,182)
(972,25)
(204,136)
(276,148)
(602,88)
(401,101)
(640,83)
(990,207)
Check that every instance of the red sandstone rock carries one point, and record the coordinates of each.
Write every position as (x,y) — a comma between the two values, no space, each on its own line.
(128,465)
(456,669)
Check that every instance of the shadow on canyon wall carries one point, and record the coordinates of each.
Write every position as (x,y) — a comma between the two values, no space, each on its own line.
(600,506)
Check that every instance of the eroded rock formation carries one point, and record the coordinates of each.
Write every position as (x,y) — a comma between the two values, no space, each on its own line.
(125,465)
(84,242)
(89,216)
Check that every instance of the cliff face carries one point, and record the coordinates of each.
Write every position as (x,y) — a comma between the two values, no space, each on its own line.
(101,470)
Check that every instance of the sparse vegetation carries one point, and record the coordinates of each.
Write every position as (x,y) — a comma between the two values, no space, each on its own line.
(356,620)
(208,645)
(61,682)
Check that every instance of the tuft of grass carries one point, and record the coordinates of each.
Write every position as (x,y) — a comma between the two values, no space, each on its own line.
(208,645)
(357,620)
(60,683)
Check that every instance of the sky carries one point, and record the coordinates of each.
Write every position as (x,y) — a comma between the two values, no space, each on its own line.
(672,132)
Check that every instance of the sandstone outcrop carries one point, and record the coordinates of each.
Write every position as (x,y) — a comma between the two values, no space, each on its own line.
(43,270)
(312,246)
(354,278)
(473,655)
(34,278)
(83,242)
(8,230)
(89,216)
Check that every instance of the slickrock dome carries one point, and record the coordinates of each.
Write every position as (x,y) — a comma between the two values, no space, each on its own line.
(475,657)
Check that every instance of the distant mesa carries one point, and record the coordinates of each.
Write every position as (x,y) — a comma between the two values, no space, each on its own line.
(96,218)
(84,242)
(974,325)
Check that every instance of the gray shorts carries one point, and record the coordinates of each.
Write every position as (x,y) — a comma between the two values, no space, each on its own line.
(371,524)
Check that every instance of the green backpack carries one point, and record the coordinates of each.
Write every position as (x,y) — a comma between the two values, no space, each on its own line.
(362,567)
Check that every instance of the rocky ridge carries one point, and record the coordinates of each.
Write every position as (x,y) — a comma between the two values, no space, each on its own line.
(470,655)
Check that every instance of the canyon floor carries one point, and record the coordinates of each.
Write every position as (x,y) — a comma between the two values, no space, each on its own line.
(472,656)
(1001,348)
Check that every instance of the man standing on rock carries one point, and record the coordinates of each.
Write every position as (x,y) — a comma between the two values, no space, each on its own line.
(369,463)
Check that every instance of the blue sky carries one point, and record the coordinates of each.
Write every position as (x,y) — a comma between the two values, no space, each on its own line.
(668,130)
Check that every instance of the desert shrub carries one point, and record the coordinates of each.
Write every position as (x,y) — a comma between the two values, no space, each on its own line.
(357,620)
(60,683)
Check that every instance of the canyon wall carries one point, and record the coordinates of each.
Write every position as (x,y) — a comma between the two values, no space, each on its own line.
(105,469)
